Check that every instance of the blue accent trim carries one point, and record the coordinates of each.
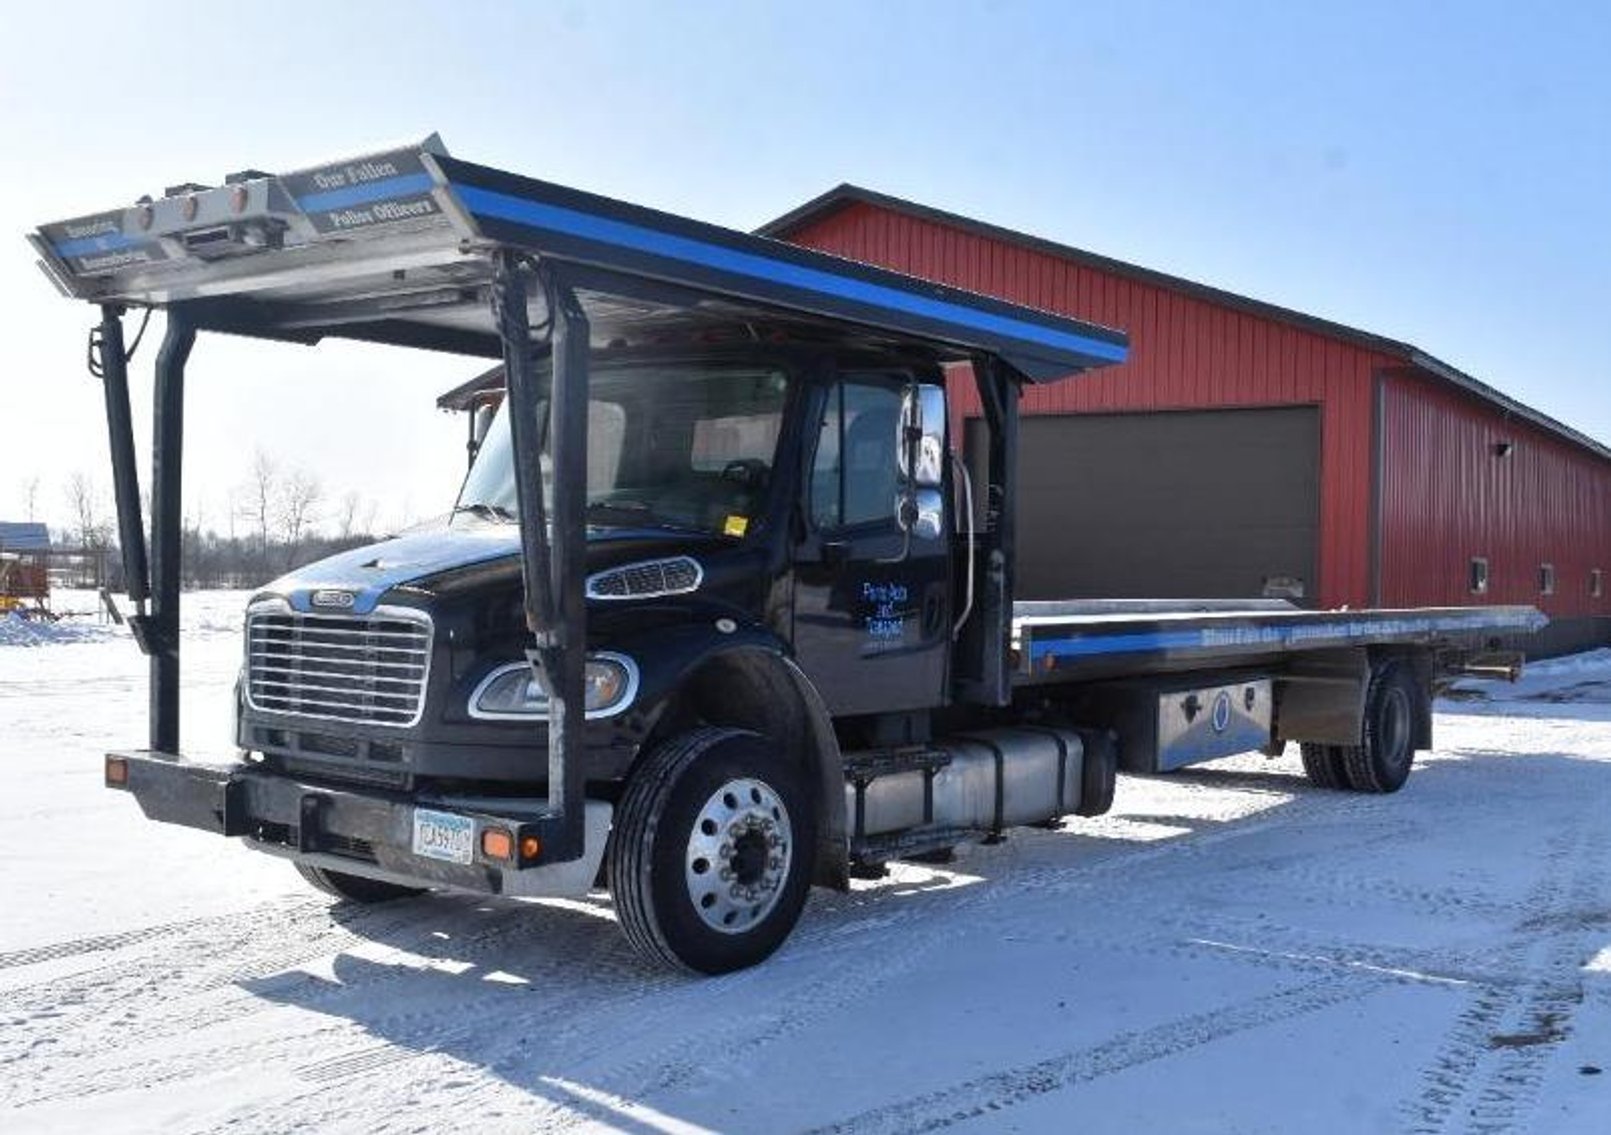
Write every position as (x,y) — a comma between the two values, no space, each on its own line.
(556,218)
(402,185)
(1084,644)
(90,245)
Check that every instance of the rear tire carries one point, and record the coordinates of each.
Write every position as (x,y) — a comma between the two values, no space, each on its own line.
(355,888)
(1382,763)
(1099,771)
(711,854)
(1324,765)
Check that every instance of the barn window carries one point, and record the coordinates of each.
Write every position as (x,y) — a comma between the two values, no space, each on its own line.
(1597,583)
(1479,575)
(1546,579)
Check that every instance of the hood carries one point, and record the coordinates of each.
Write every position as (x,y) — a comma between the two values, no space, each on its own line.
(367,573)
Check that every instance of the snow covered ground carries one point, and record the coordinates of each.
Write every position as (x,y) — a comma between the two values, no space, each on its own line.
(1230,950)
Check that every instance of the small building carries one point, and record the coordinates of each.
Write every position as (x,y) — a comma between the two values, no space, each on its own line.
(1249,449)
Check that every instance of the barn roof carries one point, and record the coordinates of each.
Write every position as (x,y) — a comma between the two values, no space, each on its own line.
(845,195)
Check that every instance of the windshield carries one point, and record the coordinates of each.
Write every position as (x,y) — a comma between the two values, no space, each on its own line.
(684,445)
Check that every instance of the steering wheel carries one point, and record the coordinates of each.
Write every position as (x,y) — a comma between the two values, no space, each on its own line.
(750,472)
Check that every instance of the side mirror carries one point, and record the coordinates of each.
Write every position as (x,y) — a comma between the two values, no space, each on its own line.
(922,440)
(919,508)
(921,513)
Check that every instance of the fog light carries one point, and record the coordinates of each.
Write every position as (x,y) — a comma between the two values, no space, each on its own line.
(530,847)
(497,843)
(117,772)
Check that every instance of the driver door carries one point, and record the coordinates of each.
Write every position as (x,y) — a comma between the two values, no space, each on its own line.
(871,614)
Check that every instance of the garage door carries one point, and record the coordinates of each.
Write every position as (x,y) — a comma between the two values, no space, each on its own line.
(1198,504)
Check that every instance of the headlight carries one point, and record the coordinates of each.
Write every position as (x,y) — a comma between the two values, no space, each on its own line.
(512,693)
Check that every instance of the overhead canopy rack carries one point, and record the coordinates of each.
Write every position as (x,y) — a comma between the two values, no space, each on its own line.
(394,248)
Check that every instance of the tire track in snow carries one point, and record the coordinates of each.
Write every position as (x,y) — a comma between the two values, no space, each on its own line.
(998,1091)
(188,1003)
(1492,1060)
(705,1052)
(103,943)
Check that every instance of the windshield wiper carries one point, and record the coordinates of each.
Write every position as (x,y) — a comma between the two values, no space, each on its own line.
(634,514)
(485,511)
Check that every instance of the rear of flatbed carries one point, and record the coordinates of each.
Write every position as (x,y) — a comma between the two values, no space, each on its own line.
(1057,643)
(1180,682)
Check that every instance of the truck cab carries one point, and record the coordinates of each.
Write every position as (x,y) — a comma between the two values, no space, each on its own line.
(742,499)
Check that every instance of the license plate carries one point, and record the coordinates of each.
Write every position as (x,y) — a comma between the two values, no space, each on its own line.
(444,836)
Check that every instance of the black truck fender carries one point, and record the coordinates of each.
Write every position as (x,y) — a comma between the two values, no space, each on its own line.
(742,676)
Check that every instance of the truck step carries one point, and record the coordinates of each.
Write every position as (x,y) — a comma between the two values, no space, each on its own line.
(874,851)
(870,764)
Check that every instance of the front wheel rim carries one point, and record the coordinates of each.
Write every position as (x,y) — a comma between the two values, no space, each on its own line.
(740,849)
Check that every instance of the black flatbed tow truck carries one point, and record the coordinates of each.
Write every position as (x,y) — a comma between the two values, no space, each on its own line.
(715,617)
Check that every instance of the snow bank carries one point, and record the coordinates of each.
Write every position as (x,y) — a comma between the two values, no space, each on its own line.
(18,631)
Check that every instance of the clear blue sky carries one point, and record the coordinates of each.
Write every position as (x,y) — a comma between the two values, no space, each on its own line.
(1439,173)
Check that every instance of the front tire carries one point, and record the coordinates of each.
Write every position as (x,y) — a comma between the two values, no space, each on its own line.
(355,888)
(710,857)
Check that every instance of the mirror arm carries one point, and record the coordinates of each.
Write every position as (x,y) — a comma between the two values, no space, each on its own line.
(906,539)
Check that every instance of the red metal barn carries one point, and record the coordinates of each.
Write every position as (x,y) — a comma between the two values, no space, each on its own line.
(1247,449)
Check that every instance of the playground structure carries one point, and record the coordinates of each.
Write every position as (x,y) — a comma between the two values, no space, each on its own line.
(24,568)
(30,568)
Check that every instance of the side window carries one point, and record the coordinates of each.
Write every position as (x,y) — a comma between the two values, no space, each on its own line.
(853,479)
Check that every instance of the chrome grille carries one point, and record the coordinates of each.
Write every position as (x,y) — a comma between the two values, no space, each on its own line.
(369,669)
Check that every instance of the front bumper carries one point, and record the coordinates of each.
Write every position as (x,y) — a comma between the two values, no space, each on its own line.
(363,831)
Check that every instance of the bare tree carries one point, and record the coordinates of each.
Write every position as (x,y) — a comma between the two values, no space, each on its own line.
(81,502)
(261,489)
(300,494)
(30,493)
(347,518)
(94,530)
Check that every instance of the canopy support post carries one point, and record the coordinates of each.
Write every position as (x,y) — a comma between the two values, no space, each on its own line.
(987,640)
(160,633)
(553,556)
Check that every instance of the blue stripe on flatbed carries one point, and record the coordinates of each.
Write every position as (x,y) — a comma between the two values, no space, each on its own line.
(1085,643)
(556,218)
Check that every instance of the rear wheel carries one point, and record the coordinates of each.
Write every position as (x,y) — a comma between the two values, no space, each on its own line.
(355,888)
(1324,765)
(710,857)
(1382,763)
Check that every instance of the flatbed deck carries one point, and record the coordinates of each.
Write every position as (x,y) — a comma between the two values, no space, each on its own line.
(1056,642)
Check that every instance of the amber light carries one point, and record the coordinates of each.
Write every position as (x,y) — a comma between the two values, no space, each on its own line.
(530,847)
(117,771)
(497,843)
